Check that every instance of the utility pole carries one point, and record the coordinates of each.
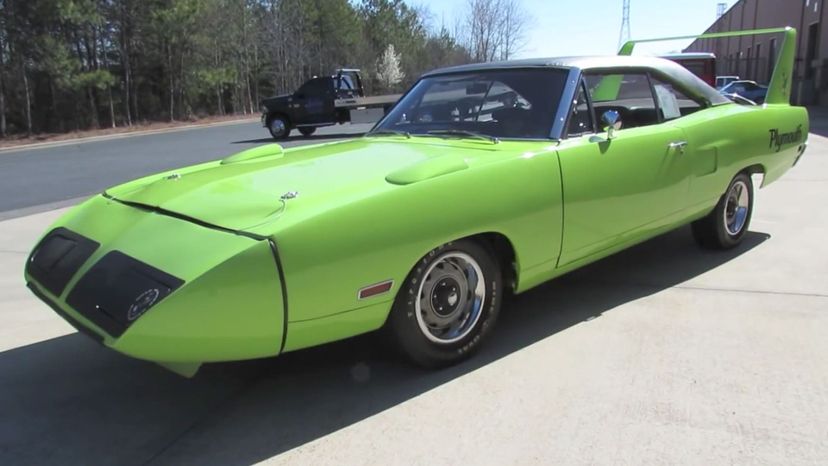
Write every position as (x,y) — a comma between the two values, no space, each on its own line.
(625,25)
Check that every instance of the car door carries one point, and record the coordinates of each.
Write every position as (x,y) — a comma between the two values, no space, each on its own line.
(313,103)
(618,189)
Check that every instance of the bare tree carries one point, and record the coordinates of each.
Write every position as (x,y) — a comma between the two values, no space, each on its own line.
(494,29)
(515,22)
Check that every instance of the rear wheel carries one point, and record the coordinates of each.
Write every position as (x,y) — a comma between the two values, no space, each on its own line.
(447,305)
(726,225)
(307,131)
(278,127)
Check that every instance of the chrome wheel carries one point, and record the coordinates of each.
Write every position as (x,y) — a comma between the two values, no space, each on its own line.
(448,304)
(277,127)
(726,225)
(736,208)
(450,298)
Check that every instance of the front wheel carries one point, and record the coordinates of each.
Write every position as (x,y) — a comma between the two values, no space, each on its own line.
(726,225)
(447,305)
(278,127)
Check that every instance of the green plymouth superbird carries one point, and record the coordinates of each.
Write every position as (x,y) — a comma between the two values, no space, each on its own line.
(483,180)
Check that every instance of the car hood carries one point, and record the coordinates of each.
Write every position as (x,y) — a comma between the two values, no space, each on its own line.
(247,192)
(277,99)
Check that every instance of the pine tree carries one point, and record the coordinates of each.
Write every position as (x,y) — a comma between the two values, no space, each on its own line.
(75,64)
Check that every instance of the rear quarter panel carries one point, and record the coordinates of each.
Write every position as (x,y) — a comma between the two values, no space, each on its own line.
(727,139)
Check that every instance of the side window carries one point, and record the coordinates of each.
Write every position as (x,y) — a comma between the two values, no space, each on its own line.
(581,120)
(449,101)
(503,102)
(672,102)
(344,83)
(628,94)
(635,86)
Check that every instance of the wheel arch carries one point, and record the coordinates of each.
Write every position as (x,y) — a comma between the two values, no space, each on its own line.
(497,243)
(503,251)
(284,115)
(755,169)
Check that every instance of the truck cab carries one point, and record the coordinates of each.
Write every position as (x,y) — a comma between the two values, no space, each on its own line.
(312,105)
(702,65)
(348,83)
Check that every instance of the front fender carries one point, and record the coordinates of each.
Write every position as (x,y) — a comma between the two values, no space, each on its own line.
(329,257)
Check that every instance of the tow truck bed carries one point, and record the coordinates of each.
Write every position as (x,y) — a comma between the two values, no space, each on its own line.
(376,100)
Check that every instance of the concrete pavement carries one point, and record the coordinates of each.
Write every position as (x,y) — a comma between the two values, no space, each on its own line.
(661,354)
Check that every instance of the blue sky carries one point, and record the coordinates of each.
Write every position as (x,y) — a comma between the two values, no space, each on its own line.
(591,27)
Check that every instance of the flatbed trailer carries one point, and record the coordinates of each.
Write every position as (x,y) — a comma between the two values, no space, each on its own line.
(324,101)
(369,102)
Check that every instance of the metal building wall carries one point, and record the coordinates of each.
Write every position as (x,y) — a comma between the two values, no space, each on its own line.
(750,57)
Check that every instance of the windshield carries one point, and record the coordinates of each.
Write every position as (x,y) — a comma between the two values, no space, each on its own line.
(517,103)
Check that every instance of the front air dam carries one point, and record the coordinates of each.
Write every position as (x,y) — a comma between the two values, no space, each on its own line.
(226,302)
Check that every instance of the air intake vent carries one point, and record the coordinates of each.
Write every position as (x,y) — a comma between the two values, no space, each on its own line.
(58,257)
(118,290)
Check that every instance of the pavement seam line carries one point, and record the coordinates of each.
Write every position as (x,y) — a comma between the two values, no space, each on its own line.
(739,290)
(702,288)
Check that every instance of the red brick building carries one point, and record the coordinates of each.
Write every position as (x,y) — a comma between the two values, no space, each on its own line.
(749,56)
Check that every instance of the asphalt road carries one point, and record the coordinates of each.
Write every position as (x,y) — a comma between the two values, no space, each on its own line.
(32,178)
(662,354)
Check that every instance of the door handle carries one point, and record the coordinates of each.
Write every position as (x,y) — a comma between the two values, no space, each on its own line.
(678,146)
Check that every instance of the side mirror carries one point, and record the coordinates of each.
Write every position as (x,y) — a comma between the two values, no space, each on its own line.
(611,121)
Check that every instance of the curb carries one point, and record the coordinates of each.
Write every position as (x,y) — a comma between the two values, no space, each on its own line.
(106,137)
(41,208)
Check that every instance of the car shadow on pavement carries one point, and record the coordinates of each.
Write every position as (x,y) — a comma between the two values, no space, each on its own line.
(70,401)
(300,138)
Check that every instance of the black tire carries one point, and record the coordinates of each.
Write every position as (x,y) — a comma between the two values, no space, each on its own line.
(307,131)
(279,126)
(726,225)
(437,281)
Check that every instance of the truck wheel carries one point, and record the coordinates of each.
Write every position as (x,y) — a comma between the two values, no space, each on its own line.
(725,227)
(447,305)
(307,131)
(278,126)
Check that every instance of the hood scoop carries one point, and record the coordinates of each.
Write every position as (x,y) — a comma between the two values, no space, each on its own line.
(426,169)
(272,151)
